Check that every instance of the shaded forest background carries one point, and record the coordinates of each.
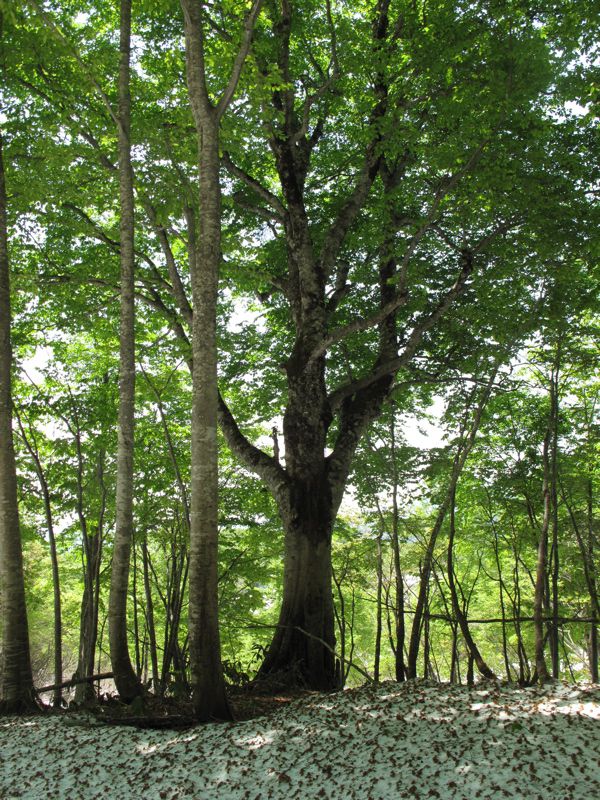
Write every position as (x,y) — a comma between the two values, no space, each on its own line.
(408,222)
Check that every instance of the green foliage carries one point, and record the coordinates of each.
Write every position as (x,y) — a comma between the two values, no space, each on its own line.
(489,120)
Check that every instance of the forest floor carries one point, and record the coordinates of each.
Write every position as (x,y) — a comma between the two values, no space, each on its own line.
(413,740)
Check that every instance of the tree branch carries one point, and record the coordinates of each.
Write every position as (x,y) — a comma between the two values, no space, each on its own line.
(265,466)
(425,323)
(240,58)
(255,185)
(358,325)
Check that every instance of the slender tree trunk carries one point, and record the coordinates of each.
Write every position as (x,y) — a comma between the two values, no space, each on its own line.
(457,467)
(92,542)
(593,652)
(150,620)
(461,618)
(88,631)
(398,578)
(126,680)
(454,671)
(586,548)
(16,679)
(554,400)
(378,625)
(31,446)
(340,617)
(538,609)
(57,700)
(593,645)
(470,671)
(502,604)
(136,620)
(426,639)
(524,668)
(208,686)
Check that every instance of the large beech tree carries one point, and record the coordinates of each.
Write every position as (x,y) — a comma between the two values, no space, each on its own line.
(379,228)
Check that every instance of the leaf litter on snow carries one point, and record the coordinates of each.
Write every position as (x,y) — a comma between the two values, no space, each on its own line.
(412,740)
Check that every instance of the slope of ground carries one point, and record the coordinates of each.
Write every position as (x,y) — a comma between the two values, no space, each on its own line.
(413,740)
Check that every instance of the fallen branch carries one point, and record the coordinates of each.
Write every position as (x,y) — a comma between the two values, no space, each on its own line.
(74,681)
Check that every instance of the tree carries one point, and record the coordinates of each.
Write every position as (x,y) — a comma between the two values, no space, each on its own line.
(16,679)
(380,229)
(208,687)
(127,682)
(376,229)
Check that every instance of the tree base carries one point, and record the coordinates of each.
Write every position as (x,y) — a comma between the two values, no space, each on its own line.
(19,706)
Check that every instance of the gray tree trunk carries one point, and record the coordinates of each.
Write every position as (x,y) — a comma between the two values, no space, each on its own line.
(16,680)
(126,680)
(208,686)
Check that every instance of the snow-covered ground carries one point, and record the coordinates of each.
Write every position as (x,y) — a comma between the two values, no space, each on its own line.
(414,740)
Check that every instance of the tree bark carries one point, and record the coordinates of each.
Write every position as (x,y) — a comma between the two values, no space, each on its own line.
(92,539)
(398,578)
(16,679)
(554,402)
(304,641)
(126,680)
(208,686)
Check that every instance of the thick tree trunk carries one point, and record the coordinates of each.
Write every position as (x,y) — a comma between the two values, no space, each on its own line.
(208,686)
(16,680)
(126,680)
(303,646)
(88,628)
